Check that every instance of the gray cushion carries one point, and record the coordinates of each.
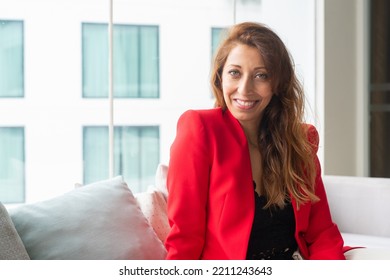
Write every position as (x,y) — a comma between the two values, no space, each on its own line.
(11,246)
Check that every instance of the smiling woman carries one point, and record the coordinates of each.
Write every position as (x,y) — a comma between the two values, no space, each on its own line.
(248,170)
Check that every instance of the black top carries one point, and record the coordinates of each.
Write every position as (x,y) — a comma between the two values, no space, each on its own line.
(272,235)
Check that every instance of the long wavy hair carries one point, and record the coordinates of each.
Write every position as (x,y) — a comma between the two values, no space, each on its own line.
(287,155)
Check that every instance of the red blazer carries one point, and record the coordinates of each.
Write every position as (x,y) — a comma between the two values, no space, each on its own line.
(211,203)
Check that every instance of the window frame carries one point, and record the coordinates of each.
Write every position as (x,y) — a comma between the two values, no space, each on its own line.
(139,94)
(140,159)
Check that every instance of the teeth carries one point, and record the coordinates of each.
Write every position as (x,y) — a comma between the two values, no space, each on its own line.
(245,103)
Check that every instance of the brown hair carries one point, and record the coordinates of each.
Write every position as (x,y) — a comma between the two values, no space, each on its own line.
(287,154)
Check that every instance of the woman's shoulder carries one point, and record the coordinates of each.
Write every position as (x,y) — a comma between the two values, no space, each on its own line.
(312,135)
(206,116)
(218,121)
(206,113)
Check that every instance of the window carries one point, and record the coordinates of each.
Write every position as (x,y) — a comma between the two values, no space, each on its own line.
(136,64)
(136,154)
(11,58)
(216,37)
(12,175)
(380,89)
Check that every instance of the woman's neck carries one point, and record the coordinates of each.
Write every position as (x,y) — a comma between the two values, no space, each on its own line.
(250,130)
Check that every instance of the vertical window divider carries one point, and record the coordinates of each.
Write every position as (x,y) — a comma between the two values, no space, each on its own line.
(110,92)
(139,93)
(234,11)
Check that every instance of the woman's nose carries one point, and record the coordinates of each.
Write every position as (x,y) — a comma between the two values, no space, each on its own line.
(245,86)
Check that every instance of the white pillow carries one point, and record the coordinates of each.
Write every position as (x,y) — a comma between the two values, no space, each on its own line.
(154,206)
(161,179)
(97,221)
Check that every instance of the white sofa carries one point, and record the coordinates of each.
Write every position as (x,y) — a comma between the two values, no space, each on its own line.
(105,220)
(360,206)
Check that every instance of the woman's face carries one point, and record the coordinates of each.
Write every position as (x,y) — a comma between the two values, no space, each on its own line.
(245,84)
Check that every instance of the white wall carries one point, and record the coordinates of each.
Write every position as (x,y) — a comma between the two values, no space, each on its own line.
(345,93)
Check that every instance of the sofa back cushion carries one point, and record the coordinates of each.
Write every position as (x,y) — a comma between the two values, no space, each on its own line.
(359,205)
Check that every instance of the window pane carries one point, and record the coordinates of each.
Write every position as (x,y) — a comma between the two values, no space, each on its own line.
(380,139)
(136,154)
(12,175)
(216,37)
(380,40)
(95,154)
(149,62)
(380,88)
(126,61)
(380,97)
(95,60)
(150,150)
(127,154)
(11,59)
(136,53)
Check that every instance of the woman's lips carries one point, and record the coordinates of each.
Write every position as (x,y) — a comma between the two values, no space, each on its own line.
(245,104)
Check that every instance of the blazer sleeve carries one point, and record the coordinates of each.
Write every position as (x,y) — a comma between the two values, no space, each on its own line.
(187,182)
(323,237)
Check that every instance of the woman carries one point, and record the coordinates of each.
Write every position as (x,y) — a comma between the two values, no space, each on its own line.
(244,179)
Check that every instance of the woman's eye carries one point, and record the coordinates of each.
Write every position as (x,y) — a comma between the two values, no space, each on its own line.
(234,73)
(263,76)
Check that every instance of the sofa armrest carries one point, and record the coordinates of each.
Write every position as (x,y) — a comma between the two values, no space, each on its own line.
(11,245)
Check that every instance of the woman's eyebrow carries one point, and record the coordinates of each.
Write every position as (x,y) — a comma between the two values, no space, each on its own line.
(260,67)
(234,65)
